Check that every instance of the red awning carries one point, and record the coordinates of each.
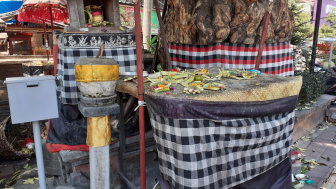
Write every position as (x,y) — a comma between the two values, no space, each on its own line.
(36,11)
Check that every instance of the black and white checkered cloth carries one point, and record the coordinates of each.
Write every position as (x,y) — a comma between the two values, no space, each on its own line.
(67,57)
(213,154)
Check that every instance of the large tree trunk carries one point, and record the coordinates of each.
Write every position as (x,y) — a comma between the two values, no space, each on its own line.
(237,21)
(202,22)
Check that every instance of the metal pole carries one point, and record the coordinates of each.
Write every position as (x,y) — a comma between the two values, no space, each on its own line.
(39,154)
(121,136)
(330,53)
(45,37)
(140,94)
(316,31)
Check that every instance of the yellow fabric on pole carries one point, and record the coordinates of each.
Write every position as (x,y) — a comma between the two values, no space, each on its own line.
(96,73)
(98,131)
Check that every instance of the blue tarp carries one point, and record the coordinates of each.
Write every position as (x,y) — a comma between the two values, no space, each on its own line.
(9,5)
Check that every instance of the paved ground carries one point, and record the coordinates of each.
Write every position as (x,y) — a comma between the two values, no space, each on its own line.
(331,181)
(320,145)
(13,174)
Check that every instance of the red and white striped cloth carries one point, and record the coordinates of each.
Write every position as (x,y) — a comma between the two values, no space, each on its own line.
(276,57)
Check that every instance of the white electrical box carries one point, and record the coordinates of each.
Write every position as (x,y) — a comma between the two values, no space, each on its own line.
(32,98)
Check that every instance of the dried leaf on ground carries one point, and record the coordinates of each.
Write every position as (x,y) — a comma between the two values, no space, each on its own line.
(302,149)
(297,186)
(311,162)
(29,181)
(2,181)
(26,166)
(15,175)
(312,131)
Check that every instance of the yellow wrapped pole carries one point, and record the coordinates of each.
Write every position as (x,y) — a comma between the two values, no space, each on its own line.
(96,79)
(98,131)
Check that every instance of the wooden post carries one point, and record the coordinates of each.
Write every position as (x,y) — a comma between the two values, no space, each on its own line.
(112,11)
(147,22)
(51,19)
(55,52)
(76,13)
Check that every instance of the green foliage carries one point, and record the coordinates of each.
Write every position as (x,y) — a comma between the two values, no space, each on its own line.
(331,17)
(313,85)
(327,31)
(303,26)
(152,44)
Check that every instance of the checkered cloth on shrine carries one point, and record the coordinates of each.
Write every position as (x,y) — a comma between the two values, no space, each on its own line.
(276,58)
(67,57)
(220,154)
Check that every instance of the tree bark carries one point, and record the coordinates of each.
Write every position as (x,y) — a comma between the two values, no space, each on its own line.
(202,22)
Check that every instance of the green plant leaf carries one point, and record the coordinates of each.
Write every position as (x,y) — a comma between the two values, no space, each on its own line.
(154,39)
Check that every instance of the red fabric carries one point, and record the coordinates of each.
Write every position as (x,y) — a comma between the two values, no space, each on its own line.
(58,147)
(36,11)
(26,34)
(27,141)
(53,148)
(97,13)
(276,57)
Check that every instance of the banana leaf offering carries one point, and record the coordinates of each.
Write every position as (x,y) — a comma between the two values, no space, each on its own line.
(160,86)
(194,88)
(214,86)
(239,74)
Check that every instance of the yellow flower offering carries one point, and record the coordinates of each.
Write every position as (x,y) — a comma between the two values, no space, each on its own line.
(161,86)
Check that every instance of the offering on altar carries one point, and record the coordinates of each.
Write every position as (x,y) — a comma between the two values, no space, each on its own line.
(94,16)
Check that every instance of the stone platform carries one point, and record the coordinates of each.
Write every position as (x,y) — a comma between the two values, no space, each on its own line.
(307,119)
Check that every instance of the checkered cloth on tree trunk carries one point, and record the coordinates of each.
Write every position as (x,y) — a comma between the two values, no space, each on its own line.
(276,58)
(67,57)
(203,153)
